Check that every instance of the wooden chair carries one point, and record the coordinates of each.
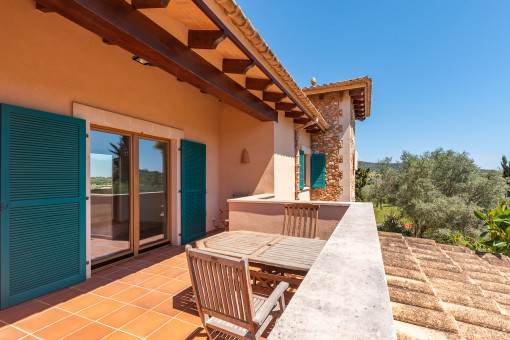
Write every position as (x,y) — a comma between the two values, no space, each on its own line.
(300,219)
(224,298)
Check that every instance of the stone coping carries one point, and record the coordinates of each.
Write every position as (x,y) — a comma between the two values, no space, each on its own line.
(270,199)
(345,294)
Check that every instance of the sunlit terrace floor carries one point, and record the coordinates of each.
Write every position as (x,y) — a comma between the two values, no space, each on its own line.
(143,298)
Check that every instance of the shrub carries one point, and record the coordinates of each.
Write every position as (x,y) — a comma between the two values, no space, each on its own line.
(496,239)
(393,224)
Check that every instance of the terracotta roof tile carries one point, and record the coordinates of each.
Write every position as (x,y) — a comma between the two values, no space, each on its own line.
(406,331)
(445,292)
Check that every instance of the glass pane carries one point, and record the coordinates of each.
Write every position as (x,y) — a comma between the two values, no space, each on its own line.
(153,175)
(110,197)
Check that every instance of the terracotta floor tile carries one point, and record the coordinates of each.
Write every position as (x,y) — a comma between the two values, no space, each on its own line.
(156,269)
(80,302)
(174,287)
(30,337)
(91,332)
(61,296)
(154,282)
(172,306)
(120,335)
(173,272)
(146,324)
(177,328)
(62,328)
(150,300)
(100,309)
(10,332)
(38,321)
(184,277)
(137,265)
(122,316)
(130,294)
(105,271)
(190,315)
(174,261)
(111,289)
(93,283)
(136,278)
(183,265)
(119,274)
(22,311)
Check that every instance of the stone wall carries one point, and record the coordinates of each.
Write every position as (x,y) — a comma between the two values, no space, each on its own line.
(329,143)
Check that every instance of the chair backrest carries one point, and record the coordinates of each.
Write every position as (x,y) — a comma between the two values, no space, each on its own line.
(300,219)
(221,285)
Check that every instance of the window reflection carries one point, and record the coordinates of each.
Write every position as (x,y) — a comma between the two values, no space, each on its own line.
(110,196)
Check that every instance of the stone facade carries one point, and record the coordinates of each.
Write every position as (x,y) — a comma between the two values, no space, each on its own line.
(330,144)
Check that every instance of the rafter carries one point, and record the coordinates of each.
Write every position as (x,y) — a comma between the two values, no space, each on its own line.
(237,66)
(258,84)
(283,106)
(273,96)
(303,120)
(149,3)
(294,114)
(205,39)
(358,102)
(123,25)
(42,8)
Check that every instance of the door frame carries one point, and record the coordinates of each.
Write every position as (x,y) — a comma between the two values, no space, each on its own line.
(134,212)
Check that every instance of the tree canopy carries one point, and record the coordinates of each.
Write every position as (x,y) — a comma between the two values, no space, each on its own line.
(438,191)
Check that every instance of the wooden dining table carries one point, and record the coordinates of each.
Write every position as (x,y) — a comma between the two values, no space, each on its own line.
(279,251)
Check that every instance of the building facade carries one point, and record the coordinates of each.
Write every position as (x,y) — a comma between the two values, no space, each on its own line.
(128,125)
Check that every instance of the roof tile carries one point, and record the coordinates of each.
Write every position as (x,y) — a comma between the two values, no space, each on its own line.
(438,290)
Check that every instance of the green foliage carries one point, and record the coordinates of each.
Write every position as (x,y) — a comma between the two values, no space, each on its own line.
(438,191)
(362,176)
(506,166)
(393,224)
(496,239)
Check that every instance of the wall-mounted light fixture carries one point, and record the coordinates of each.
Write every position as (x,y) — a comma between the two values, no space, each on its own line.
(245,157)
(141,60)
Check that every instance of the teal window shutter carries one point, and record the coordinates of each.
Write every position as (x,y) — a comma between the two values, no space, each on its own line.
(318,175)
(301,169)
(43,233)
(193,191)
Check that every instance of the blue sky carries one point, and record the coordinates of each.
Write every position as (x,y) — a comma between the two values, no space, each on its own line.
(440,68)
(101,158)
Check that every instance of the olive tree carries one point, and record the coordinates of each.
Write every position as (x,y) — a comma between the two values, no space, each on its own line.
(439,190)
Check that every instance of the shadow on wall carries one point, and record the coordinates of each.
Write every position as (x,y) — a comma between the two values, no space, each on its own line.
(267,217)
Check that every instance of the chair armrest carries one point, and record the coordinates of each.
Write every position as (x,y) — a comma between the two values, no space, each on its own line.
(271,301)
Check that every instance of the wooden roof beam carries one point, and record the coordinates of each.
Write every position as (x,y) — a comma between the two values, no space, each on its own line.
(42,8)
(303,120)
(237,66)
(273,96)
(205,39)
(149,3)
(123,25)
(285,106)
(258,84)
(356,92)
(358,102)
(294,114)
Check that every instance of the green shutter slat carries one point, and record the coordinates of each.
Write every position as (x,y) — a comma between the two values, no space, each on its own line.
(193,199)
(318,170)
(301,170)
(43,195)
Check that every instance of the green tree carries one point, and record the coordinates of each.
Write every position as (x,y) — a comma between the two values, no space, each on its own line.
(362,176)
(439,190)
(506,166)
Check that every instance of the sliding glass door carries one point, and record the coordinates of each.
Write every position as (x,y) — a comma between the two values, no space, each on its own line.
(152,179)
(129,195)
